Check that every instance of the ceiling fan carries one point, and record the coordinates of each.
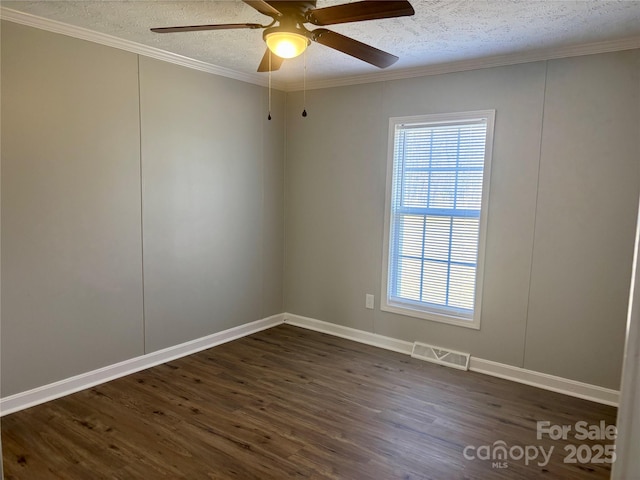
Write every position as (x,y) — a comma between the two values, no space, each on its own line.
(287,37)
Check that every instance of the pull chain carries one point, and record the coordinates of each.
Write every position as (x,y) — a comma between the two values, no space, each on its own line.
(269,116)
(304,86)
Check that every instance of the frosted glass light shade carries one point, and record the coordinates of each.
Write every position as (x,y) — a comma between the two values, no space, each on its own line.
(286,44)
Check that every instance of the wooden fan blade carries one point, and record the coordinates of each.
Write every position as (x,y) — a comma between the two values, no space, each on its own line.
(359,11)
(276,62)
(195,28)
(353,47)
(263,7)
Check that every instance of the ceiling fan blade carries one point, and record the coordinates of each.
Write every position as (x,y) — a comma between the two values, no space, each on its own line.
(263,7)
(353,47)
(276,62)
(195,28)
(359,11)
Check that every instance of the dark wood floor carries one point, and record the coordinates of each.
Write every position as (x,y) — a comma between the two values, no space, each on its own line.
(291,403)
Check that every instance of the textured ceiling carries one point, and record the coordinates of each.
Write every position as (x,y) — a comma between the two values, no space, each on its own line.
(441,31)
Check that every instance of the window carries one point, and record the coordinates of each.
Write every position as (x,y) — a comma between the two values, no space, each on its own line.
(437,192)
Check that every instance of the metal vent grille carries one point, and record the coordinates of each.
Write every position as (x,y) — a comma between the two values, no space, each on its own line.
(441,356)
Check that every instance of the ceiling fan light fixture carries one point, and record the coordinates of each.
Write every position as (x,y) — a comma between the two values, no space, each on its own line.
(290,38)
(285,44)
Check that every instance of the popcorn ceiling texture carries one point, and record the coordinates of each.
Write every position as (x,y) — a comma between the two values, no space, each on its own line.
(441,31)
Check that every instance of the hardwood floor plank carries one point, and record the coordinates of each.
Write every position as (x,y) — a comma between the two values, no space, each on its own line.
(291,403)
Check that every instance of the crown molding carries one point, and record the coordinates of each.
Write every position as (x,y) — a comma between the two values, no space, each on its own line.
(629,43)
(438,69)
(133,47)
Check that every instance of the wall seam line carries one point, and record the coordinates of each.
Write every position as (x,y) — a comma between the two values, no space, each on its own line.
(144,320)
(535,211)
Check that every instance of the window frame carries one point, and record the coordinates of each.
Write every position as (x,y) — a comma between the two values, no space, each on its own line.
(409,308)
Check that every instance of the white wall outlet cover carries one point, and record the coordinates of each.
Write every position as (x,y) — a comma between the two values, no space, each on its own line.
(368,301)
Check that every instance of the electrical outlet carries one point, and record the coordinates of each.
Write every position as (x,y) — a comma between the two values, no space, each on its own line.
(368,301)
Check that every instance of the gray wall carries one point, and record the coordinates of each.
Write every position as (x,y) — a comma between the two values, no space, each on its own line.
(143,205)
(564,189)
(176,179)
(1,464)
(208,159)
(585,221)
(71,248)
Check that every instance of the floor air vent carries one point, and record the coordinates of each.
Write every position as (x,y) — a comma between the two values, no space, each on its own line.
(440,356)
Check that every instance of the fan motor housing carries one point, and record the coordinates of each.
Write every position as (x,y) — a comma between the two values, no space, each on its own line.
(295,8)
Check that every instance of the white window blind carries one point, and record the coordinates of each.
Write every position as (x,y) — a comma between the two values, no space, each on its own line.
(436,204)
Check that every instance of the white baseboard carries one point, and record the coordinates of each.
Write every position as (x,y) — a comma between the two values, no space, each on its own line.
(548,382)
(43,394)
(516,374)
(356,335)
